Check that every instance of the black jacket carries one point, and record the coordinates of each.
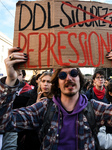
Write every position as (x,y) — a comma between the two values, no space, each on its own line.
(91,95)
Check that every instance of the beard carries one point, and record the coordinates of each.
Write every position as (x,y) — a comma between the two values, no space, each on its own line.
(70,94)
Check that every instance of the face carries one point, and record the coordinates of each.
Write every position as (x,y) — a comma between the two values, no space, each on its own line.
(70,85)
(45,84)
(99,80)
(20,75)
(106,83)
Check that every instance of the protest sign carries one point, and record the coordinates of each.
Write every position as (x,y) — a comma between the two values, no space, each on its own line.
(55,33)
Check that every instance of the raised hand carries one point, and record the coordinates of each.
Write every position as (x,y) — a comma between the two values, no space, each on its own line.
(14,57)
(109,55)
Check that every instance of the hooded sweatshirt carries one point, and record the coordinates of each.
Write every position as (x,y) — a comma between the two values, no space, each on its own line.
(68,136)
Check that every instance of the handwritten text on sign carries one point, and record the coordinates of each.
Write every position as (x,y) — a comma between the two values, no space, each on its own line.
(57,33)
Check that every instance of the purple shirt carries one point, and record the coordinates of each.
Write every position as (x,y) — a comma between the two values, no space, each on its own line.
(69,132)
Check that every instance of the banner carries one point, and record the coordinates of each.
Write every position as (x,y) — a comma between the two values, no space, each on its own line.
(57,33)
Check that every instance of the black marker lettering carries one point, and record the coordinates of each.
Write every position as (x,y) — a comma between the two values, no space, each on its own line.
(20,19)
(44,19)
(49,18)
(77,17)
(69,19)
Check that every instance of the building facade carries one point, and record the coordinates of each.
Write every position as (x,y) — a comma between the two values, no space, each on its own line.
(5,44)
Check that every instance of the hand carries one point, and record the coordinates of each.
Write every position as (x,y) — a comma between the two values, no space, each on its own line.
(39,96)
(109,55)
(14,57)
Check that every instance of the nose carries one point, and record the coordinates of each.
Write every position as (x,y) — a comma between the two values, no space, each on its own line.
(68,77)
(45,83)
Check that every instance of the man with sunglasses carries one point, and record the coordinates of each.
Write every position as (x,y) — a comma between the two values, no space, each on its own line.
(69,128)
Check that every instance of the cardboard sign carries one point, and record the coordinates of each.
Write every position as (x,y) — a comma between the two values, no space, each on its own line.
(56,33)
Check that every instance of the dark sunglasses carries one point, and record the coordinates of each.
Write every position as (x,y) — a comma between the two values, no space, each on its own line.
(73,73)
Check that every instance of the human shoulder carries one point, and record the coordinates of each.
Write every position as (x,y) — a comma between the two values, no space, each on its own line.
(90,90)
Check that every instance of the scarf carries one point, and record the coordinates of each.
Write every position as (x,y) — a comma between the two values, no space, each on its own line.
(100,94)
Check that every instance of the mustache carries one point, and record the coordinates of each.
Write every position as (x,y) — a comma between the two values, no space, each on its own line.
(70,83)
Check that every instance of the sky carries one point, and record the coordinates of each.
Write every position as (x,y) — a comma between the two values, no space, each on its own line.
(7,17)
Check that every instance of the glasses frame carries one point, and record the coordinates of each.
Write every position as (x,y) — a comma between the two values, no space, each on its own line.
(62,75)
(98,78)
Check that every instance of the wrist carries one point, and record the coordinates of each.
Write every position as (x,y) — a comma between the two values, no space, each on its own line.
(10,82)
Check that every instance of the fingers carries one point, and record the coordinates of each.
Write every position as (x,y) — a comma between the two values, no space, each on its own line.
(14,49)
(109,55)
(18,56)
(15,58)
(39,94)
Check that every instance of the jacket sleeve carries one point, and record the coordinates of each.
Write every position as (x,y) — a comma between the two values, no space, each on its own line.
(18,119)
(105,139)
(10,141)
(103,113)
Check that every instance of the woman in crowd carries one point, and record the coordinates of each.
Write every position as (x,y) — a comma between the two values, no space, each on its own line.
(44,90)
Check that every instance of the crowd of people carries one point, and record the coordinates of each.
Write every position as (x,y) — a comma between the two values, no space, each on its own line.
(23,107)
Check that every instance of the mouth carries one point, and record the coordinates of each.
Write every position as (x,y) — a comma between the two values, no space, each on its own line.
(69,85)
(45,88)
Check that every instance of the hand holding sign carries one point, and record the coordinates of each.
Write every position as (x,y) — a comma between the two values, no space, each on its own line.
(14,57)
(109,55)
(19,57)
(56,34)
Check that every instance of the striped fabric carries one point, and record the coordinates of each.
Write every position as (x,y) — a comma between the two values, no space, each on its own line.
(32,118)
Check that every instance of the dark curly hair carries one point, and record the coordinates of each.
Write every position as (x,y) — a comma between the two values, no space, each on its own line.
(101,72)
(109,89)
(54,80)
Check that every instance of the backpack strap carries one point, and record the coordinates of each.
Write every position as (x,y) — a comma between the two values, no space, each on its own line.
(90,115)
(91,94)
(47,119)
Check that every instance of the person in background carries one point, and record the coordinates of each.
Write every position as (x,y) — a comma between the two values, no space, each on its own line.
(10,140)
(44,88)
(109,91)
(69,128)
(23,94)
(105,133)
(85,87)
(98,92)
(43,91)
(32,81)
(106,82)
(33,94)
(22,97)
